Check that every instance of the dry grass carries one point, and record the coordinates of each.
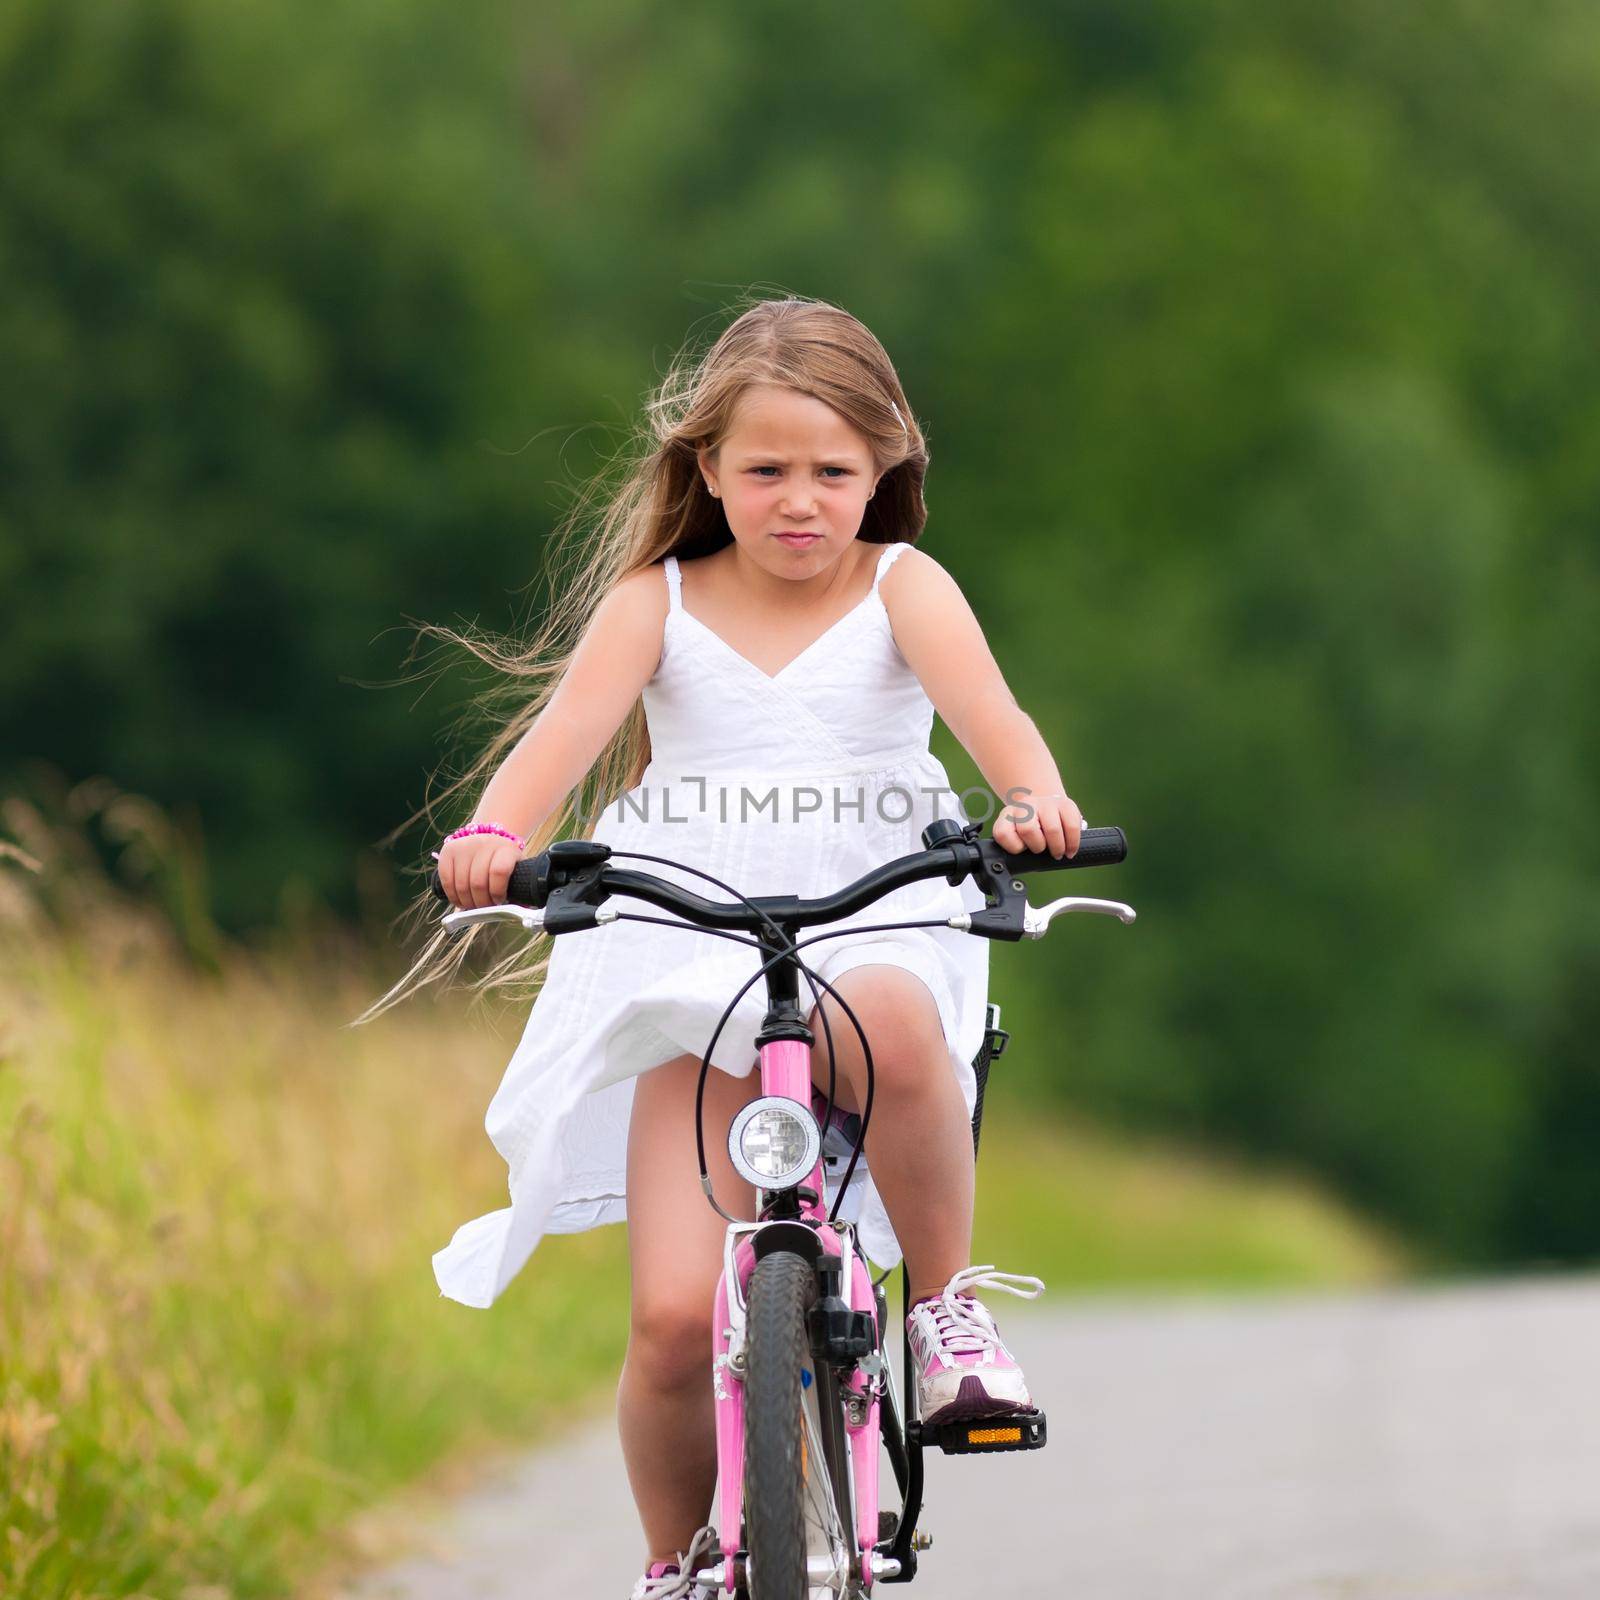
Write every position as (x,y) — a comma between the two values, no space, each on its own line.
(221,1334)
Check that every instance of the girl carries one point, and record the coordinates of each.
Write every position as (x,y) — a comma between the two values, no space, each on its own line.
(759,675)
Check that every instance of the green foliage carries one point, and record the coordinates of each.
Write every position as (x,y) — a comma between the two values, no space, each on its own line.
(1258,355)
(248,359)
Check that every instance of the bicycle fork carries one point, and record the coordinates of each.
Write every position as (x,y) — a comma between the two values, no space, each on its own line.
(844,1339)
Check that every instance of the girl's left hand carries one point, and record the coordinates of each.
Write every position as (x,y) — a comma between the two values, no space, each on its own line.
(1050,822)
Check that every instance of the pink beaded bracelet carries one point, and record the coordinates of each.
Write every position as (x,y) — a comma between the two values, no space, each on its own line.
(474,828)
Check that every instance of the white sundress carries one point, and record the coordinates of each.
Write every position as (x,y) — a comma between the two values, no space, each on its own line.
(795,782)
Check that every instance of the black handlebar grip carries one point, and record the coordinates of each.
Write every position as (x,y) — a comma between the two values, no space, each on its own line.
(529,884)
(1097,847)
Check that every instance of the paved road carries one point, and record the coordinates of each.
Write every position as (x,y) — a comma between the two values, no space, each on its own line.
(1439,1444)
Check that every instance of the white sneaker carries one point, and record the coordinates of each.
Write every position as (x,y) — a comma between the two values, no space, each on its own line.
(665,1580)
(963,1367)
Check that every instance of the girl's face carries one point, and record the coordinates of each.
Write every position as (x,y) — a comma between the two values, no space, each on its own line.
(794,478)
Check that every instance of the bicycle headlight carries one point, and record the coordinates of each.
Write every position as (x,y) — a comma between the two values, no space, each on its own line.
(774,1142)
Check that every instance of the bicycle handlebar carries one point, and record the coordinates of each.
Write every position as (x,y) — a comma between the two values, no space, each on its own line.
(953,852)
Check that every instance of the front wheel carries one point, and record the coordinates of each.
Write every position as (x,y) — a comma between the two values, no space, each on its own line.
(797,1517)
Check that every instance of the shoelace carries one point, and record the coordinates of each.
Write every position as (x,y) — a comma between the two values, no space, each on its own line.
(680,1585)
(965,1326)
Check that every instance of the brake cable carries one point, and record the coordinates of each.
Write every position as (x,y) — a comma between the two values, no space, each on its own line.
(789,947)
(814,978)
(866,1052)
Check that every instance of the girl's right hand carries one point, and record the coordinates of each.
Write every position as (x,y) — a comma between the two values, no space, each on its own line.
(474,872)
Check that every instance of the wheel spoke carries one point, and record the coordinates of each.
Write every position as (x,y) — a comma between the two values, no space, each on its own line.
(827,1538)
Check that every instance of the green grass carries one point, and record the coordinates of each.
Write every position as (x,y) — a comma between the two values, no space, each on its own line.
(1085,1211)
(220,1336)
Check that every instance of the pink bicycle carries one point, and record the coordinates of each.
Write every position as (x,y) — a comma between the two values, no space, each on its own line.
(801,1377)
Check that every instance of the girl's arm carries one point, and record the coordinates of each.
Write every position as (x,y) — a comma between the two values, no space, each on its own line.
(614,660)
(944,645)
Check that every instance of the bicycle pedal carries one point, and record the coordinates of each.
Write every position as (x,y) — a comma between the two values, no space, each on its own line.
(1022,1430)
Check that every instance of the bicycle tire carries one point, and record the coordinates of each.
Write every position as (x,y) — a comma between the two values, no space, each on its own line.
(790,1506)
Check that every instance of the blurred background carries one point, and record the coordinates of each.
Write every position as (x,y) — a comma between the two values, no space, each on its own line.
(1259,359)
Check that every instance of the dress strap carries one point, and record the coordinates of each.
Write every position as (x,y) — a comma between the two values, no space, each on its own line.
(891,552)
(674,584)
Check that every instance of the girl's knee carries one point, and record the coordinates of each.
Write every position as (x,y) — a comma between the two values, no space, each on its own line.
(669,1340)
(901,1021)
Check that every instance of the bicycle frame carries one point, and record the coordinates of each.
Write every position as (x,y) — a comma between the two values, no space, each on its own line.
(785,1066)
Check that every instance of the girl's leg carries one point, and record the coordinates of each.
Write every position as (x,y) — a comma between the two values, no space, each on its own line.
(920,1143)
(664,1407)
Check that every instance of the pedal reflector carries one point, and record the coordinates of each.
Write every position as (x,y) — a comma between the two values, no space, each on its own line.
(994,1435)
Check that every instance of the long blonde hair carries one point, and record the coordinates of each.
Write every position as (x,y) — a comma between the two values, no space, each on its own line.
(661,507)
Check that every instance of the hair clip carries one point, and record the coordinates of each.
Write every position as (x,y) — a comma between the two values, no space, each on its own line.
(898,418)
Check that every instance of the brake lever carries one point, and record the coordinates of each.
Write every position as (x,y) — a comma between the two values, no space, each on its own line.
(457,922)
(1036,919)
(555,919)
